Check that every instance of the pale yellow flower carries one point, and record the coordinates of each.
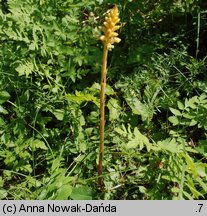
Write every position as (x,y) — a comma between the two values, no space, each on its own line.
(109,27)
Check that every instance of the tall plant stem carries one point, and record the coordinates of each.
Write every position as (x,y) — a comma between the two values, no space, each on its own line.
(108,39)
(102,110)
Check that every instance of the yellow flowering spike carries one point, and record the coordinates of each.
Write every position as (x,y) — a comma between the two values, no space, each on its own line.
(109,27)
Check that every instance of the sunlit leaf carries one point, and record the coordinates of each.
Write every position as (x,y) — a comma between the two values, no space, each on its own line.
(3,194)
(38,144)
(175,112)
(174,120)
(3,111)
(180,105)
(138,107)
(4,96)
(59,114)
(81,193)
(64,192)
(114,109)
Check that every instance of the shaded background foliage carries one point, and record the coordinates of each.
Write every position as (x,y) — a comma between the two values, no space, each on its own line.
(156,100)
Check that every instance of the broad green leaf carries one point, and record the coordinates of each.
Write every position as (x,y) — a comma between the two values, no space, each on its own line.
(81,193)
(114,109)
(203,97)
(170,145)
(95,87)
(38,144)
(175,189)
(100,1)
(82,120)
(108,91)
(56,164)
(24,154)
(188,115)
(1,121)
(32,182)
(191,102)
(132,144)
(202,147)
(82,146)
(4,96)
(201,168)
(138,107)
(64,192)
(42,195)
(142,189)
(175,112)
(3,194)
(89,131)
(59,114)
(2,110)
(55,89)
(174,120)
(78,59)
(180,105)
(93,117)
(142,139)
(25,69)
(27,168)
(119,131)
(193,122)
(81,97)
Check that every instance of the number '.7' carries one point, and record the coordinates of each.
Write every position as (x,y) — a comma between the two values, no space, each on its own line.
(201,205)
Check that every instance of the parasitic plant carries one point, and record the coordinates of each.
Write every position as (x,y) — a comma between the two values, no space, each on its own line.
(109,37)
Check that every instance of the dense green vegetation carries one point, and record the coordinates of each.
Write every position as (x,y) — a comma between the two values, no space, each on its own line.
(156,100)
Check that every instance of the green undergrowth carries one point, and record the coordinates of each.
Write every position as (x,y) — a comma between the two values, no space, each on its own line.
(156,101)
